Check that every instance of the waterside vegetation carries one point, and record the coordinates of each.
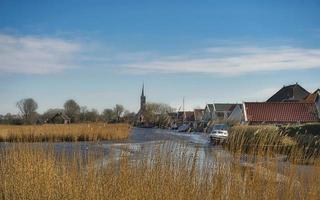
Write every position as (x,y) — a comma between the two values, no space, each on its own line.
(64,132)
(301,146)
(30,172)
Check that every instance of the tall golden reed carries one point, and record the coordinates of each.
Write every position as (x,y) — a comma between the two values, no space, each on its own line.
(62,132)
(267,140)
(31,172)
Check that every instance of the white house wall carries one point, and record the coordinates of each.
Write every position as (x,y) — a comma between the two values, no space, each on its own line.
(236,115)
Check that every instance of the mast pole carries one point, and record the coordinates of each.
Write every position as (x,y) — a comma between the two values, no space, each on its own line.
(184,113)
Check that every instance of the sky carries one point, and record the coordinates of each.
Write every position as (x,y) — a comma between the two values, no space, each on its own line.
(100,52)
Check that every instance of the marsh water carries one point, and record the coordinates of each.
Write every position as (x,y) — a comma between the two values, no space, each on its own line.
(143,143)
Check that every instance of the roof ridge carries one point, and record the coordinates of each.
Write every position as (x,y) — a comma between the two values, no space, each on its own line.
(226,103)
(282,102)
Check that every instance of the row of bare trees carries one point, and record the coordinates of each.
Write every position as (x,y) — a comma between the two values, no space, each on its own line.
(155,113)
(28,113)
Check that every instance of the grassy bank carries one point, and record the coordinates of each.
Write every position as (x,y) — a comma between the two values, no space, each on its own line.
(271,140)
(61,132)
(27,172)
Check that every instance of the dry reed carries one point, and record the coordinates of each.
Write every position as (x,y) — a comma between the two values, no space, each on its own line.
(62,132)
(268,140)
(28,172)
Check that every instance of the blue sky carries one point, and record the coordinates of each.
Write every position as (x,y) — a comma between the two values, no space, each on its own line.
(100,52)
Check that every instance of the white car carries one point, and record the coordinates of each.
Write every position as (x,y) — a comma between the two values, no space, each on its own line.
(219,133)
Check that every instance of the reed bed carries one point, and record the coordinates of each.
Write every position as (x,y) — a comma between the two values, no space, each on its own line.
(64,132)
(265,140)
(29,172)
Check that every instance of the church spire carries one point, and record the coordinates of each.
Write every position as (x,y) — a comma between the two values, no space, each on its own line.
(142,94)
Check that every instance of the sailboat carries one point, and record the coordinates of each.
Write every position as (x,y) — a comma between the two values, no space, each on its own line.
(184,127)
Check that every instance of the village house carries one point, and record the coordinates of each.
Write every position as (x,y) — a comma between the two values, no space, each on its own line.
(180,117)
(290,93)
(198,115)
(208,113)
(280,112)
(59,118)
(223,112)
(198,124)
(291,104)
(189,116)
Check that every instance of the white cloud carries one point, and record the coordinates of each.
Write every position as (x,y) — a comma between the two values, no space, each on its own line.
(41,55)
(232,61)
(35,55)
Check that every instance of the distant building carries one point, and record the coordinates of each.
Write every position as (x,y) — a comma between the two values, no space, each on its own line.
(280,112)
(189,116)
(223,111)
(198,115)
(290,93)
(59,118)
(208,113)
(181,117)
(141,114)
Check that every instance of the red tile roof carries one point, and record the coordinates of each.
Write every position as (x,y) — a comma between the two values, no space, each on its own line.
(281,112)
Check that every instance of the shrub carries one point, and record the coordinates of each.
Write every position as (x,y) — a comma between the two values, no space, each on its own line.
(309,129)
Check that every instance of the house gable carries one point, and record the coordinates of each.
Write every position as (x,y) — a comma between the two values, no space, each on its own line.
(208,111)
(223,110)
(237,114)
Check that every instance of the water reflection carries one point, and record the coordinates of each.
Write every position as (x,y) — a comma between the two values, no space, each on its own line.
(143,144)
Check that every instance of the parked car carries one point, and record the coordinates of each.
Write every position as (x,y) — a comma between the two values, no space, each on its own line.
(219,133)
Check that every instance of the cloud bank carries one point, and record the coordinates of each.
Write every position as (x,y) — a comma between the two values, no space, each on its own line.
(41,55)
(35,55)
(232,61)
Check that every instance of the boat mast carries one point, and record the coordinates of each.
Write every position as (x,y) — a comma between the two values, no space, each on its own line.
(184,113)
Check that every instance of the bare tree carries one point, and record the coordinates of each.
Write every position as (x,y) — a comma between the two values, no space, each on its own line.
(72,110)
(28,109)
(83,113)
(157,113)
(108,115)
(128,116)
(92,115)
(118,110)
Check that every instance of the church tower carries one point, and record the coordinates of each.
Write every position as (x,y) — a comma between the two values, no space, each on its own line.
(140,115)
(142,100)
